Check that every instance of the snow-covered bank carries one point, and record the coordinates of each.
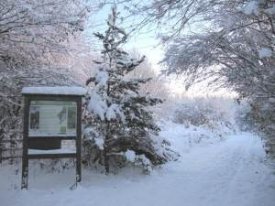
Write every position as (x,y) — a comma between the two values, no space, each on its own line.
(229,172)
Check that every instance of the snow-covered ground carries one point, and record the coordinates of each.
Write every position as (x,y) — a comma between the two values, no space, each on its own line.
(232,172)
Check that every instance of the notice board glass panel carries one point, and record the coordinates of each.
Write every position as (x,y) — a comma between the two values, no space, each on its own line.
(52,118)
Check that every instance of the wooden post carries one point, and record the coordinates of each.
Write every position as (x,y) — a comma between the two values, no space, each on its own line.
(25,160)
(78,141)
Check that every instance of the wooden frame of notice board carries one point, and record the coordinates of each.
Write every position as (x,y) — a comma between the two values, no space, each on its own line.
(50,141)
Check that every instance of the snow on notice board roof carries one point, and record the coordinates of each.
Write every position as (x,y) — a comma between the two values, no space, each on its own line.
(64,90)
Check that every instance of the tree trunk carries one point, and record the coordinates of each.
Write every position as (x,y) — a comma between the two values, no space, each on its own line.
(106,148)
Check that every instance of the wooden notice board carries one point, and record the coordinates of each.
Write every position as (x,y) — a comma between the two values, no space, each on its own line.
(51,114)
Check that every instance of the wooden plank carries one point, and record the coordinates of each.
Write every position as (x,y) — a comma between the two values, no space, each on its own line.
(58,97)
(51,156)
(52,137)
(54,151)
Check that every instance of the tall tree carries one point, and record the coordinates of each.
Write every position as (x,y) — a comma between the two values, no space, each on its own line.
(117,117)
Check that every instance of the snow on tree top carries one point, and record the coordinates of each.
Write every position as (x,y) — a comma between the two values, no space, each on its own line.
(64,90)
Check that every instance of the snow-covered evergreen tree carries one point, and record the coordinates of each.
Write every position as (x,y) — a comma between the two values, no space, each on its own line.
(118,122)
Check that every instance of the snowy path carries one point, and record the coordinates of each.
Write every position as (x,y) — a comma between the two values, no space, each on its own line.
(231,172)
(228,173)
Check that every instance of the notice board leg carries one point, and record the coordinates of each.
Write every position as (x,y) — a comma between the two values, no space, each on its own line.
(78,141)
(78,160)
(25,173)
(78,172)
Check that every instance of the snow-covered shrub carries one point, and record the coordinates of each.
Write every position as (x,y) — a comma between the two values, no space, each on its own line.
(198,120)
(259,117)
(245,117)
(212,113)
